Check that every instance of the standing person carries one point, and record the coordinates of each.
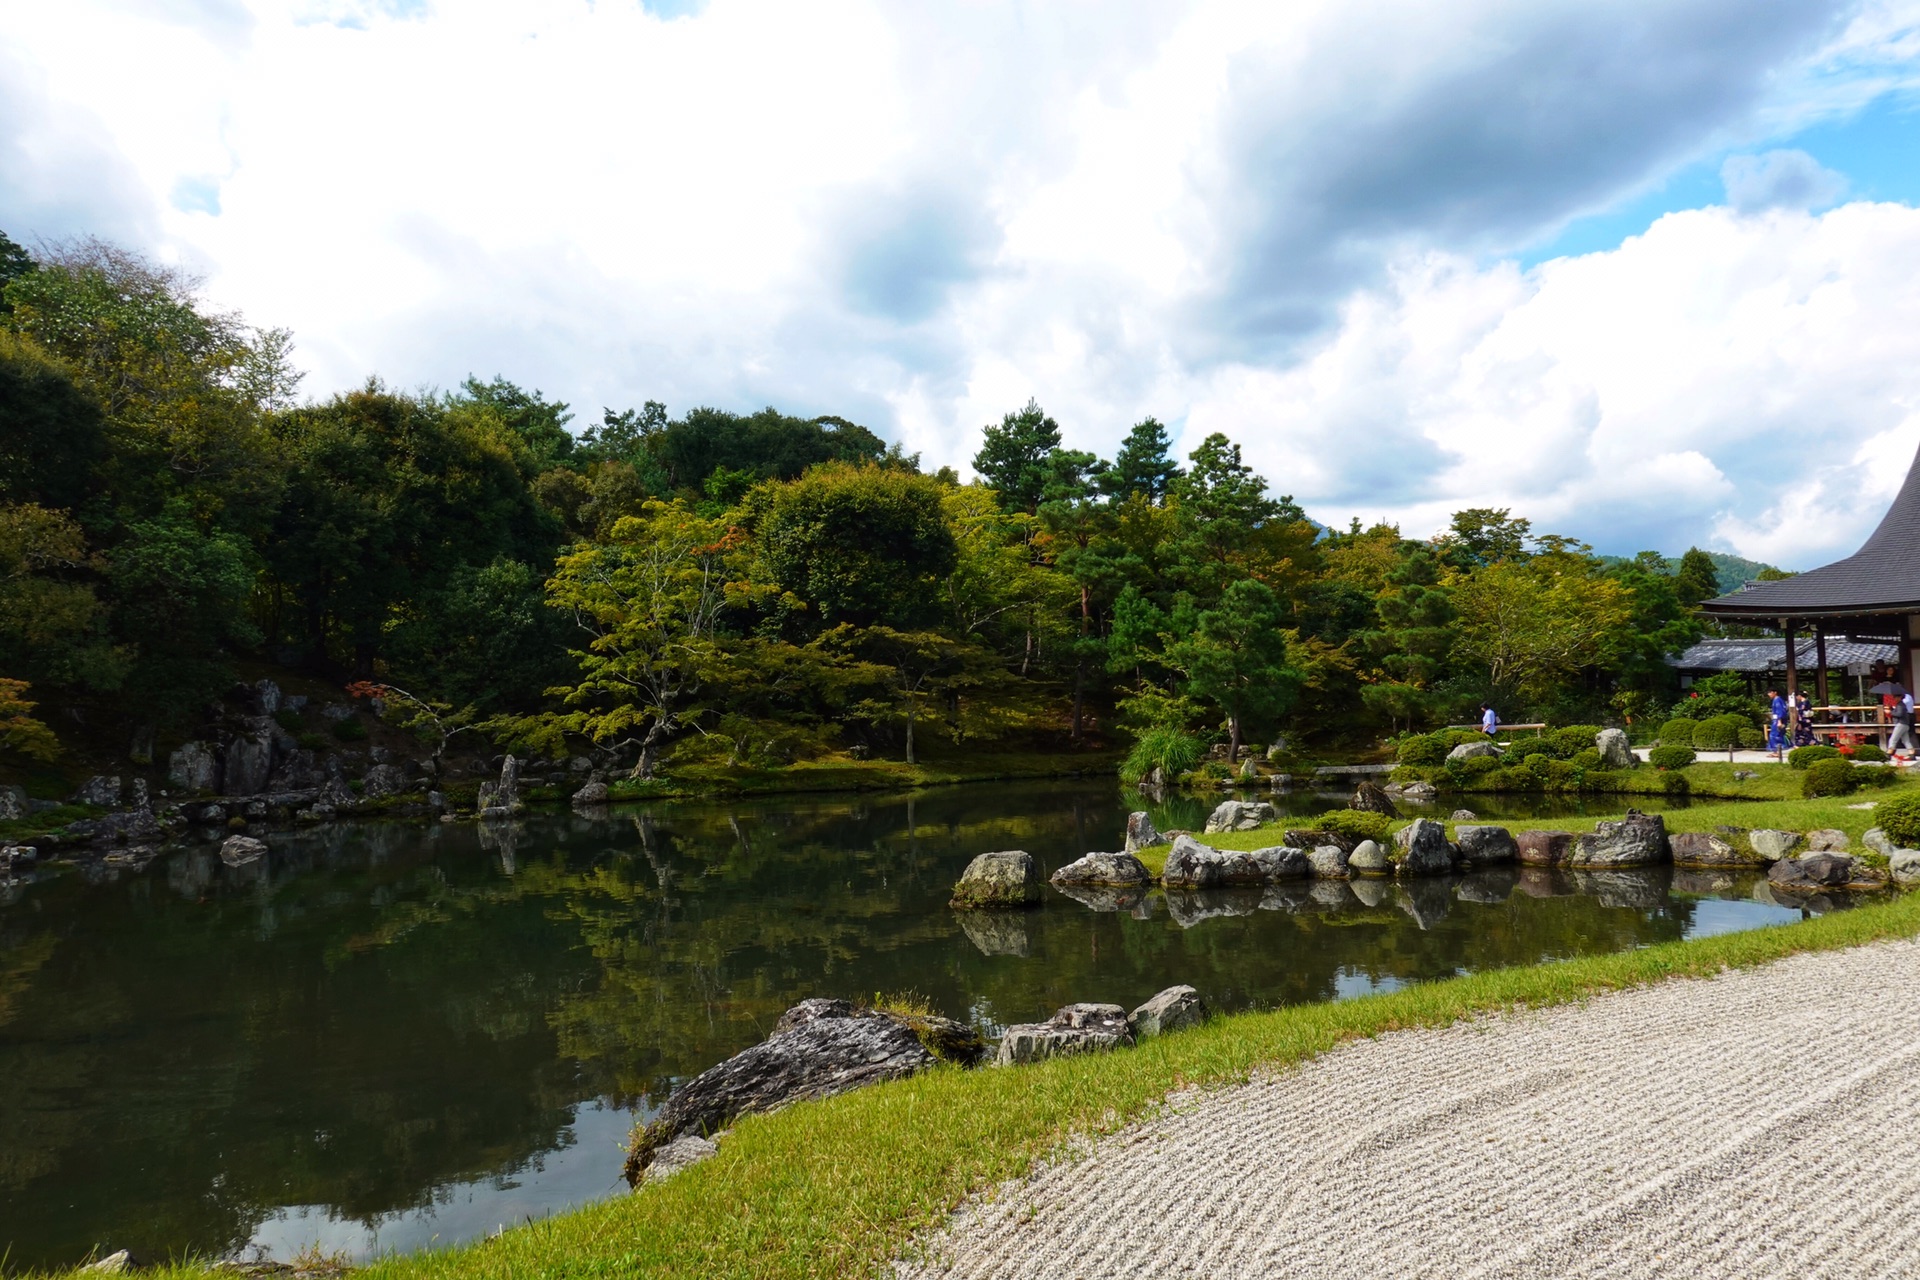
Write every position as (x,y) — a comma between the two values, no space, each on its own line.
(1776,722)
(1802,720)
(1489,720)
(1902,735)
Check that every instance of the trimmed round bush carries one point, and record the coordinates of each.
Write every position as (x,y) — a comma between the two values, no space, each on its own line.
(1678,732)
(1539,764)
(1869,753)
(1718,733)
(1751,739)
(1899,817)
(1670,755)
(1828,778)
(1421,748)
(1571,740)
(1478,765)
(1801,757)
(1588,760)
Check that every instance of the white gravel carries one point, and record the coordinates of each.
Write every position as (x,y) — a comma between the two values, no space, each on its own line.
(1761,1123)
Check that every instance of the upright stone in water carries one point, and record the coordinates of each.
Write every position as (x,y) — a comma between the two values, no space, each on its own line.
(500,800)
(1613,749)
(1545,848)
(193,769)
(1121,869)
(1485,846)
(1240,815)
(1637,840)
(1141,833)
(1774,845)
(1174,1009)
(1076,1028)
(1005,879)
(238,851)
(1371,797)
(1423,849)
(1329,861)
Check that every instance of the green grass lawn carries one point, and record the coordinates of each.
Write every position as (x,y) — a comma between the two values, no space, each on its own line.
(837,1188)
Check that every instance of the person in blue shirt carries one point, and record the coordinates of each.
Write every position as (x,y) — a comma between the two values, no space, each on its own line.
(1776,722)
(1489,719)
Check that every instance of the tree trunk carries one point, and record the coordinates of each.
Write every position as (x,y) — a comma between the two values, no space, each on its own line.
(910,718)
(649,753)
(1233,740)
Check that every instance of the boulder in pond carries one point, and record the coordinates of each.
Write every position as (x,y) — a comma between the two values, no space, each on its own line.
(1007,878)
(1463,815)
(1828,840)
(1637,840)
(1328,862)
(1545,848)
(1174,1009)
(1115,869)
(593,793)
(1615,753)
(238,851)
(1371,797)
(1485,846)
(1809,874)
(1141,833)
(1368,859)
(1421,849)
(1192,865)
(1282,862)
(1415,792)
(1773,845)
(1701,849)
(1076,1028)
(1240,815)
(818,1049)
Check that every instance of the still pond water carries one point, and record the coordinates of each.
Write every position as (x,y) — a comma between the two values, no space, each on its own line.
(396,1035)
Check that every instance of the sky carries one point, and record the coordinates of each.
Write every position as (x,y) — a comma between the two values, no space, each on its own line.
(1646,272)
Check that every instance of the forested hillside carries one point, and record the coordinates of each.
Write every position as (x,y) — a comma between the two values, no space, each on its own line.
(758,588)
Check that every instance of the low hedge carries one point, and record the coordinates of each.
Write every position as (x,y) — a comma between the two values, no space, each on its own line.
(1801,757)
(1833,776)
(1670,755)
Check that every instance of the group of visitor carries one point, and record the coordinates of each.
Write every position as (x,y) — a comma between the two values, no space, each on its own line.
(1790,724)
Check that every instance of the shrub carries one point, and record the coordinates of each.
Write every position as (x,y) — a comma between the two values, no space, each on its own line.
(350,730)
(1875,775)
(1832,777)
(1899,817)
(1570,741)
(1174,750)
(1670,755)
(1356,824)
(1478,765)
(1512,777)
(1718,733)
(1586,760)
(1539,764)
(1801,757)
(1750,738)
(1869,753)
(1677,732)
(1460,737)
(1421,748)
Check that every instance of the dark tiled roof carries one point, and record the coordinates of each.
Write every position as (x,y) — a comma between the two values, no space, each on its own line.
(1771,655)
(1883,576)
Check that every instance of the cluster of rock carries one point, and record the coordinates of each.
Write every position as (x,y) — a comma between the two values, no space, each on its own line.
(823,1047)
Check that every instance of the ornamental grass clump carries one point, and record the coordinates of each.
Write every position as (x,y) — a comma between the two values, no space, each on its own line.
(1173,750)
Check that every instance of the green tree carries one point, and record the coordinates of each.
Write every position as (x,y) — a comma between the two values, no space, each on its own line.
(180,594)
(861,544)
(541,425)
(1014,457)
(19,730)
(1697,578)
(14,263)
(1144,465)
(1484,535)
(54,442)
(1533,624)
(1235,656)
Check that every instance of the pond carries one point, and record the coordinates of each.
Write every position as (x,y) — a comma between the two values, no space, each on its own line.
(396,1035)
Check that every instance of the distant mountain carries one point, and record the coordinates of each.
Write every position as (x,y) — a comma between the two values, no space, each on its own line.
(1734,572)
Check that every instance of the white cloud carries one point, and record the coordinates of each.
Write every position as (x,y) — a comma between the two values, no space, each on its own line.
(1278,220)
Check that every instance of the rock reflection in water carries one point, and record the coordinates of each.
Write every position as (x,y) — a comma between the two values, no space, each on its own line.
(1372,891)
(1488,886)
(1635,888)
(997,933)
(1188,907)
(1426,899)
(1102,897)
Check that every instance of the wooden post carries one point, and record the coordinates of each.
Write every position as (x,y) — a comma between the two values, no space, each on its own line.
(1820,656)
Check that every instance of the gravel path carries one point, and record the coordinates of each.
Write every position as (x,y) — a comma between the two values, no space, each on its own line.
(1761,1123)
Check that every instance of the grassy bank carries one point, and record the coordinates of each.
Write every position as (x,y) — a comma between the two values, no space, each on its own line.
(836,1188)
(841,774)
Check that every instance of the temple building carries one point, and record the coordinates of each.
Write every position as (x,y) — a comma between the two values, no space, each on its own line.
(1872,596)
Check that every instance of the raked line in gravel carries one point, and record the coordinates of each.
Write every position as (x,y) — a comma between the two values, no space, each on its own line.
(1762,1123)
